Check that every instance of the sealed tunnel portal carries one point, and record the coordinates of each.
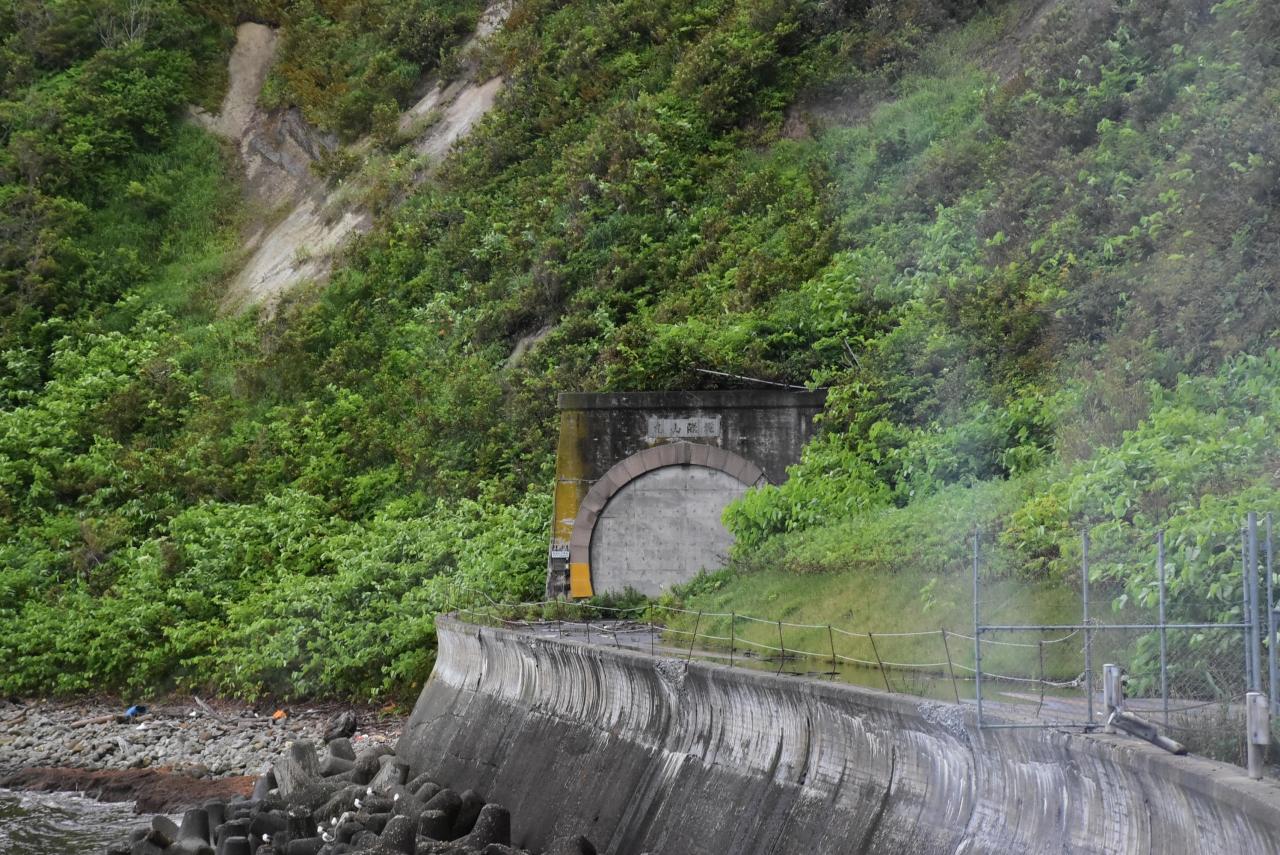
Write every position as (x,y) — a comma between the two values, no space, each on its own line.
(631,542)
(643,478)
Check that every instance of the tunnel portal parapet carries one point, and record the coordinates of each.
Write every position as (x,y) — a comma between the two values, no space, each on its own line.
(625,516)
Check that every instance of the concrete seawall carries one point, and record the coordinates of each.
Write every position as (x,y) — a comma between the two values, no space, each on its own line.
(656,755)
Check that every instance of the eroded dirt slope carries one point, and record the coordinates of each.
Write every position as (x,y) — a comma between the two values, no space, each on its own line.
(299,224)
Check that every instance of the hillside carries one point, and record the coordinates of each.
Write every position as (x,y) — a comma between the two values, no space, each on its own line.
(1029,247)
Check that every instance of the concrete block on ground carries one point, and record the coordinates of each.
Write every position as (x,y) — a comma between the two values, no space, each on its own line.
(342,748)
(493,825)
(297,768)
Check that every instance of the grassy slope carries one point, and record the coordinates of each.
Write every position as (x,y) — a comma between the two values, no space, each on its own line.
(891,569)
(1199,458)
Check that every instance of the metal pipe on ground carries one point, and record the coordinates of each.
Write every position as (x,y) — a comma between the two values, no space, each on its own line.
(1112,694)
(1134,726)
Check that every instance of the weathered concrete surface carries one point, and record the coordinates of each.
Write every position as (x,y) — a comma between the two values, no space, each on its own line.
(662,528)
(608,439)
(768,427)
(302,222)
(656,755)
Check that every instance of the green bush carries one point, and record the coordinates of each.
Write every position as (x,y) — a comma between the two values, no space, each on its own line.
(345,61)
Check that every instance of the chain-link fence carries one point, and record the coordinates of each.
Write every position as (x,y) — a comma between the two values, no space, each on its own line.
(1185,677)
(934,663)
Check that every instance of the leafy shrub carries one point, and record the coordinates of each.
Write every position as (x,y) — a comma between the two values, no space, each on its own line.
(344,63)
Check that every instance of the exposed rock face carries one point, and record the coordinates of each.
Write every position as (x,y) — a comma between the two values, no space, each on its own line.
(460,104)
(250,61)
(302,223)
(457,105)
(277,149)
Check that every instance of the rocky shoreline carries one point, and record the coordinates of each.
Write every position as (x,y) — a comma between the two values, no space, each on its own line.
(176,755)
(158,790)
(309,780)
(341,802)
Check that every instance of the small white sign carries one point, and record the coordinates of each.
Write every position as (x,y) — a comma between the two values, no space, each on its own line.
(681,428)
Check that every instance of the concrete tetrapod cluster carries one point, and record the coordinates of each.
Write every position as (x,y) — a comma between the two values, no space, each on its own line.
(357,803)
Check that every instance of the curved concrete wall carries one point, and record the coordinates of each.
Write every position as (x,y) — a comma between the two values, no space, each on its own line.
(655,755)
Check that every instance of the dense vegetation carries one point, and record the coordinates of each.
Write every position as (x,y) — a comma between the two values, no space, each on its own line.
(1030,248)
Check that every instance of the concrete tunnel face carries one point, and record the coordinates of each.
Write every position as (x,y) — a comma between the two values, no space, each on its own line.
(666,525)
(662,529)
(618,522)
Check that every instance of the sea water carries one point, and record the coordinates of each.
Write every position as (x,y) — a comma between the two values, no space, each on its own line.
(61,823)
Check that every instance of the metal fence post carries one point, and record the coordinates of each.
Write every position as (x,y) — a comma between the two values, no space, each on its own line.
(782,649)
(1258,731)
(1255,631)
(883,673)
(1244,617)
(1271,627)
(1040,706)
(733,619)
(694,638)
(977,629)
(1088,634)
(831,639)
(946,648)
(1164,640)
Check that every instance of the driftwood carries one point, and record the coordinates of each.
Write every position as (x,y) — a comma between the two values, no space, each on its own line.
(208,709)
